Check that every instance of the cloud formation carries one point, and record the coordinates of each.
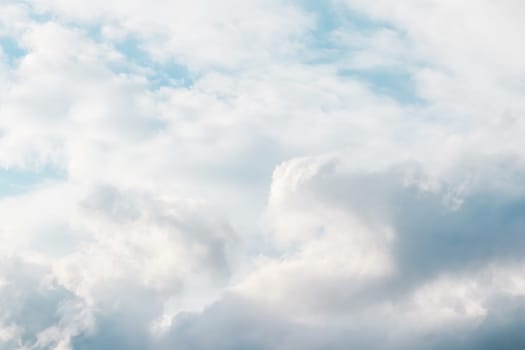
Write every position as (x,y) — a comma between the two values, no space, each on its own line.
(261,174)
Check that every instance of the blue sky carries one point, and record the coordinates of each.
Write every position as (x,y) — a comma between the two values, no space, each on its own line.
(261,174)
(15,182)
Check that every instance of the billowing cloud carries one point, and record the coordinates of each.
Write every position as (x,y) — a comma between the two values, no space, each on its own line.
(261,174)
(384,257)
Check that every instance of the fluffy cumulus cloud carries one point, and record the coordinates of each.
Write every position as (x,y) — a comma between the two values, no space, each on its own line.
(262,174)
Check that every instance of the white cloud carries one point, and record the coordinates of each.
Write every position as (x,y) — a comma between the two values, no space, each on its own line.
(380,256)
(200,34)
(393,131)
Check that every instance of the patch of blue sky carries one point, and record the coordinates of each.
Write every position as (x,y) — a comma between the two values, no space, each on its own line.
(159,73)
(325,48)
(138,60)
(326,17)
(39,15)
(11,50)
(14,181)
(330,17)
(396,84)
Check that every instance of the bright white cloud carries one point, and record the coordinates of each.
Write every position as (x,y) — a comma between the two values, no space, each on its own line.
(261,174)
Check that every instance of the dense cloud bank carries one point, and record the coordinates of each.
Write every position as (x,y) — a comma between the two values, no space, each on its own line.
(263,175)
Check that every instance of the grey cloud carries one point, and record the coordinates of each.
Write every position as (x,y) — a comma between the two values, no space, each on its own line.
(239,323)
(236,323)
(434,236)
(30,303)
(107,291)
(502,329)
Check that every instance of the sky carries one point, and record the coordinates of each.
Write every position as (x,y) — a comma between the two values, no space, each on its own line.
(262,174)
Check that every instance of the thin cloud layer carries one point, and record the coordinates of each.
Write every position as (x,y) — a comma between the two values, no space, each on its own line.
(261,174)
